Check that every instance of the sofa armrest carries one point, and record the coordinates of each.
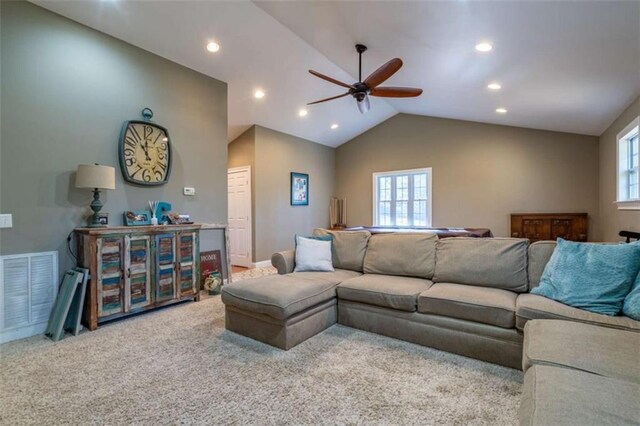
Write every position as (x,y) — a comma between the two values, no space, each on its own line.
(284,261)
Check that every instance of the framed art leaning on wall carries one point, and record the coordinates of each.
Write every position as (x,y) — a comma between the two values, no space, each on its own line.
(299,189)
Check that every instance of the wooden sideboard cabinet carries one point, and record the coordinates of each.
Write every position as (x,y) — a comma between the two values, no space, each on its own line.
(134,269)
(550,226)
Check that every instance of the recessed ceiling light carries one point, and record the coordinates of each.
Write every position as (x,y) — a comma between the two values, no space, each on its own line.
(259,94)
(483,47)
(501,110)
(334,126)
(302,112)
(213,47)
(494,86)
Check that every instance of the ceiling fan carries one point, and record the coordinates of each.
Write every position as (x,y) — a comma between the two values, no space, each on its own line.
(362,89)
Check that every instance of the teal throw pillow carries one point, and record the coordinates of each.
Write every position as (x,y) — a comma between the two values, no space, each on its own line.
(593,277)
(631,307)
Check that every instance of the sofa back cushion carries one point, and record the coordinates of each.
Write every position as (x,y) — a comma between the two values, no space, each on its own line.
(487,262)
(348,248)
(539,254)
(407,254)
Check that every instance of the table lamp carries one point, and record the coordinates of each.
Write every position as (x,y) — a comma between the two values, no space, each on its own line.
(96,177)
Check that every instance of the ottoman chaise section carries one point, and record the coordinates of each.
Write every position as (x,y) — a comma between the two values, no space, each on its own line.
(563,396)
(280,310)
(598,350)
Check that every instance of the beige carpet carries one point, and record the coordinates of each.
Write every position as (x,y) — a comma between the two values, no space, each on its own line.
(179,366)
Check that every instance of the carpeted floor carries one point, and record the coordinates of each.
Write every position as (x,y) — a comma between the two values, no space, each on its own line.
(179,366)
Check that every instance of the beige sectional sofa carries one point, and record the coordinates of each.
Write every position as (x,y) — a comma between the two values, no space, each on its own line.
(463,295)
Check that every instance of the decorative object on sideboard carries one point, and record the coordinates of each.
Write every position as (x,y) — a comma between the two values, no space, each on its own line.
(179,219)
(145,151)
(95,177)
(299,189)
(137,218)
(103,218)
(162,210)
(550,226)
(338,213)
(153,205)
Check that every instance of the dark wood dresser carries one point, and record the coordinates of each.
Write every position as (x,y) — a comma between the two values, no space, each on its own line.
(550,226)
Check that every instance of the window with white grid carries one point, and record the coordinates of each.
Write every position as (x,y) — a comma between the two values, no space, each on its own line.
(402,198)
(629,167)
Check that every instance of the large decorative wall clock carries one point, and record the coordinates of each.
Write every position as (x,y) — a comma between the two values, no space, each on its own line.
(145,151)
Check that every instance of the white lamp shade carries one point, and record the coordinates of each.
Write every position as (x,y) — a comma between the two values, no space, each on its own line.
(95,176)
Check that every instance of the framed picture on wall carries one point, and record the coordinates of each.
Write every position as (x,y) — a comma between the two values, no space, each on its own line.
(299,189)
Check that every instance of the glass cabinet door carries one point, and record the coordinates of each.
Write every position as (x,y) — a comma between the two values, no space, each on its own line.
(138,276)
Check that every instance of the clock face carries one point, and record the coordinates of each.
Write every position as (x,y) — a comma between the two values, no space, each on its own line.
(145,153)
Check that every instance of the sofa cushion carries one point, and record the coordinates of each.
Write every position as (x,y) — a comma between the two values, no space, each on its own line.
(561,396)
(593,277)
(599,350)
(348,247)
(388,291)
(486,262)
(279,296)
(539,254)
(531,306)
(406,254)
(480,304)
(335,277)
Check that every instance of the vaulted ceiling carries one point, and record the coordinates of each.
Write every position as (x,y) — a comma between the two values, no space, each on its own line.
(565,66)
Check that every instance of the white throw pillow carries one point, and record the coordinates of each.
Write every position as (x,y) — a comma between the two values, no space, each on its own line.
(313,255)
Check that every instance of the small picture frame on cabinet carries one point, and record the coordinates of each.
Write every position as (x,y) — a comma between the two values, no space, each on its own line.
(103,218)
(137,218)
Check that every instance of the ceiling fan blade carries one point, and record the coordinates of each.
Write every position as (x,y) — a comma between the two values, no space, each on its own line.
(396,92)
(384,72)
(328,99)
(329,79)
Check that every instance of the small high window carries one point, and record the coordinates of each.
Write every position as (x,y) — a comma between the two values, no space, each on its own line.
(402,198)
(628,177)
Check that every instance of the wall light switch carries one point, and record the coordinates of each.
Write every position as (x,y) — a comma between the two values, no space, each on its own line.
(189,191)
(6,221)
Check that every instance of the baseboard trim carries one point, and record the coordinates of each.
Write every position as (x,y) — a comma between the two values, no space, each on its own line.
(263,264)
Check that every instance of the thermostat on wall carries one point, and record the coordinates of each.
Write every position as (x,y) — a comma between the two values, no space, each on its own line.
(189,191)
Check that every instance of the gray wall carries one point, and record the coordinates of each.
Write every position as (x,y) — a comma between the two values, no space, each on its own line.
(242,152)
(66,90)
(275,156)
(481,172)
(613,220)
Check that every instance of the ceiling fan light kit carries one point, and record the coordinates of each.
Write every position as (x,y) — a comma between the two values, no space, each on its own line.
(361,90)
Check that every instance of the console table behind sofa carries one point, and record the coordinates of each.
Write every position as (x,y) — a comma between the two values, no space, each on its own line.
(441,232)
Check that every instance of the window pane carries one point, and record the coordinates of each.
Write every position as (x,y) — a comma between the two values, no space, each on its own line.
(402,187)
(420,187)
(384,213)
(420,213)
(402,213)
(384,185)
(633,172)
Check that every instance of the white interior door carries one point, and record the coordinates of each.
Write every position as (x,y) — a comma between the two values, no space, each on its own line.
(239,189)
